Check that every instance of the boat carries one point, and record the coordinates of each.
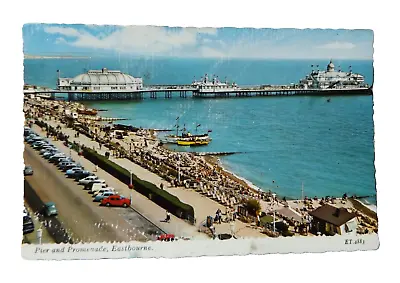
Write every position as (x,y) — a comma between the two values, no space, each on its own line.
(187,136)
(192,142)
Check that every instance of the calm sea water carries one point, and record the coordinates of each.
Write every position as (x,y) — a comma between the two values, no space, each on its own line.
(285,141)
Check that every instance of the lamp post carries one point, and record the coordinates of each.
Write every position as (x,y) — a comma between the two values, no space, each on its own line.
(130,182)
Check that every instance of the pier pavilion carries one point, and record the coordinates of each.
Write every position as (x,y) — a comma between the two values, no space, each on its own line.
(100,81)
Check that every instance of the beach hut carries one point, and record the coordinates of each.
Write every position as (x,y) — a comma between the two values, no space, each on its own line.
(330,220)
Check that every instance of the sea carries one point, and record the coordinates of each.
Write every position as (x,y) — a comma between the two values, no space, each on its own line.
(323,146)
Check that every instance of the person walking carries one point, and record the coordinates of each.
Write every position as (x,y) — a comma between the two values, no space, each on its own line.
(162,186)
(168,218)
(95,168)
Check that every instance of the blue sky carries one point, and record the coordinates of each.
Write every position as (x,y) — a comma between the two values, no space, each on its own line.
(93,40)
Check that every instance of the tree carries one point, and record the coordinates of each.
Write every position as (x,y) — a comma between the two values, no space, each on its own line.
(253,206)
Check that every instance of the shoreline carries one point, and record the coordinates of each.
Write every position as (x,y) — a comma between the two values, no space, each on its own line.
(215,161)
(210,159)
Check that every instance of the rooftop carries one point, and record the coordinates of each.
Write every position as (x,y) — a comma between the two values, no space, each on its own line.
(333,215)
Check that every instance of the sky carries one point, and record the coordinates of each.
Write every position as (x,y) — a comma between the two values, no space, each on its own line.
(142,41)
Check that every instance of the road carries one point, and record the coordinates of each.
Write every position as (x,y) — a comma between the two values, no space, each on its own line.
(31,237)
(84,220)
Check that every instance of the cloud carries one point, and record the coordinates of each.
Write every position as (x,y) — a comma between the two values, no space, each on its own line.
(62,31)
(337,45)
(141,39)
(205,42)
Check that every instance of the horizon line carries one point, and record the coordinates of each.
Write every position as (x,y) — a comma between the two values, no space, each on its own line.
(58,56)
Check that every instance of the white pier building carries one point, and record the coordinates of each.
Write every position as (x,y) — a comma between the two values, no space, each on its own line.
(101,81)
(331,79)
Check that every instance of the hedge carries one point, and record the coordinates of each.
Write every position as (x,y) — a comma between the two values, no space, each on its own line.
(158,196)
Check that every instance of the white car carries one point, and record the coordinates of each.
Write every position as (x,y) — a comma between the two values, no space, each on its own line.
(106,189)
(97,187)
(87,180)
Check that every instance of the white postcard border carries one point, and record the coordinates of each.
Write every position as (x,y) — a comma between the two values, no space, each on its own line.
(194,248)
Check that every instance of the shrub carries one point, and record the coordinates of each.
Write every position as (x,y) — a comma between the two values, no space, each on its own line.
(160,197)
(252,206)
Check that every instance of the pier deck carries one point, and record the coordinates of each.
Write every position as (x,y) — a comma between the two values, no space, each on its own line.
(185,91)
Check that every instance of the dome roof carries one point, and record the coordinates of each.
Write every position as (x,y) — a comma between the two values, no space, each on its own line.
(103,77)
(330,67)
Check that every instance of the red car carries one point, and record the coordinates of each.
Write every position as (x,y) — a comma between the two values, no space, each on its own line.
(116,200)
(166,237)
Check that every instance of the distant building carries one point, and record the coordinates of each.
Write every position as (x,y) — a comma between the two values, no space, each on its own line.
(332,79)
(101,81)
(213,85)
(331,220)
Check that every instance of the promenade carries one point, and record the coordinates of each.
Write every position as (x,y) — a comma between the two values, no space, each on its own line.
(202,205)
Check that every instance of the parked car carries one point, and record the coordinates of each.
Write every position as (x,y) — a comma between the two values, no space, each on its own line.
(47,148)
(166,238)
(103,190)
(100,197)
(39,144)
(87,180)
(63,163)
(116,200)
(27,132)
(55,160)
(28,170)
(64,159)
(97,187)
(89,185)
(50,209)
(27,226)
(78,173)
(71,172)
(34,139)
(51,152)
(72,165)
(64,166)
(29,136)
(84,174)
(56,157)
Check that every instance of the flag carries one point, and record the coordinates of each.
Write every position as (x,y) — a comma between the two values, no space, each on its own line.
(198,125)
(177,118)
(312,65)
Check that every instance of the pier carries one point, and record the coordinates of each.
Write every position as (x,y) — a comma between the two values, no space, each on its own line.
(185,91)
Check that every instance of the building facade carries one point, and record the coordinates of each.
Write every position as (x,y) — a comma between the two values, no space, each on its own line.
(103,80)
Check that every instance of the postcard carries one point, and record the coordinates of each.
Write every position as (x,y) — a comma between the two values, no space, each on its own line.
(154,141)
